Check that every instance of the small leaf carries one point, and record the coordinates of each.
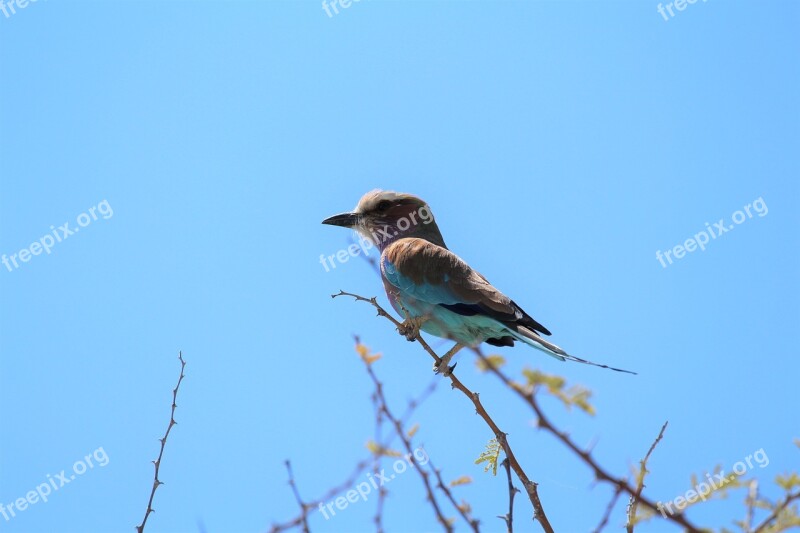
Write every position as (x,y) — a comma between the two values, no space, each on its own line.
(413,430)
(788,481)
(372,358)
(490,456)
(490,361)
(367,357)
(575,395)
(463,480)
(377,449)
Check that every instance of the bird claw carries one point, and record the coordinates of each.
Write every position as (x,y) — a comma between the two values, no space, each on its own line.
(410,327)
(437,368)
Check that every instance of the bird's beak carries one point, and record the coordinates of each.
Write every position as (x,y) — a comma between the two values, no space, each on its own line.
(346,220)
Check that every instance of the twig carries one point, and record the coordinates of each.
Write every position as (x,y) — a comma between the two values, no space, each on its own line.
(409,449)
(531,488)
(303,506)
(750,505)
(163,440)
(599,472)
(382,491)
(512,490)
(609,509)
(634,500)
(778,509)
(360,467)
(473,523)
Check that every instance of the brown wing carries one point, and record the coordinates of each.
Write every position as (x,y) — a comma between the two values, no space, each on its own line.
(439,276)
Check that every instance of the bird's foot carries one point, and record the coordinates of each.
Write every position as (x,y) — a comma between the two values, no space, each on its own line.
(410,327)
(437,368)
(442,365)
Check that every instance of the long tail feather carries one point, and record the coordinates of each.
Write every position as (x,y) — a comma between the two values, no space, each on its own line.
(532,339)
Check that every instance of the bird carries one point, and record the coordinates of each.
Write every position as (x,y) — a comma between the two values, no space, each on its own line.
(433,289)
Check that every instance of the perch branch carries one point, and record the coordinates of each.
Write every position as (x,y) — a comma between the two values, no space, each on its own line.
(531,488)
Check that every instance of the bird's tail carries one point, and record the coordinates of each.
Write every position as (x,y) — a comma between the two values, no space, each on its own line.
(532,339)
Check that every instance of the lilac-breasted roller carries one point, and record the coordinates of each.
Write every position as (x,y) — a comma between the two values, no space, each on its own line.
(433,288)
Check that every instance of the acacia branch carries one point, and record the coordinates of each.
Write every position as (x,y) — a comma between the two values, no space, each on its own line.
(407,444)
(512,490)
(473,523)
(750,505)
(609,509)
(163,440)
(530,486)
(382,492)
(529,397)
(634,500)
(360,467)
(777,511)
(303,506)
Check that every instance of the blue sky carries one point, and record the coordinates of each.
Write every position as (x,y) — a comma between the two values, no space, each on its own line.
(560,146)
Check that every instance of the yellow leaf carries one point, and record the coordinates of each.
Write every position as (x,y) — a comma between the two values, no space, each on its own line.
(413,430)
(373,447)
(463,480)
(391,453)
(377,449)
(369,359)
(490,361)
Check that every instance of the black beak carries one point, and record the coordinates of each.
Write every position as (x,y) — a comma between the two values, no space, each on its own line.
(346,220)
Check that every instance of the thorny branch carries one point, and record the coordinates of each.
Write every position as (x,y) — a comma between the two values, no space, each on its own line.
(634,500)
(529,397)
(777,511)
(531,488)
(512,491)
(360,467)
(303,506)
(398,426)
(462,509)
(607,514)
(382,491)
(163,440)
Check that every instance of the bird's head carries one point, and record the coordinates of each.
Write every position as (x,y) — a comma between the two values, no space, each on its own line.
(385,216)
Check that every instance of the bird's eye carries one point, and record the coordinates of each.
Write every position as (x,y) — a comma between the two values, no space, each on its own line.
(383,205)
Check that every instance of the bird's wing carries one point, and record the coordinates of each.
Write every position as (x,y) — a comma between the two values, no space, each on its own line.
(436,275)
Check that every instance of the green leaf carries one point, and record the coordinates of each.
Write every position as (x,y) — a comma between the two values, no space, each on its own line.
(490,456)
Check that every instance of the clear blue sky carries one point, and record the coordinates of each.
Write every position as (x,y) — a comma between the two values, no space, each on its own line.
(560,146)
